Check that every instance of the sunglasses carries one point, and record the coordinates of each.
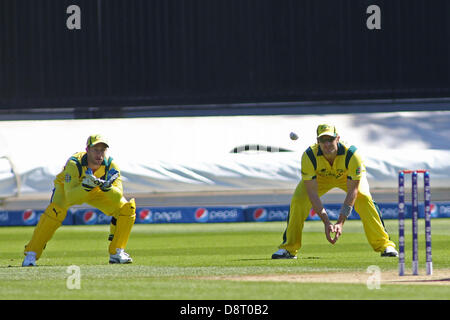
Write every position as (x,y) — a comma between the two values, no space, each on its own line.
(325,139)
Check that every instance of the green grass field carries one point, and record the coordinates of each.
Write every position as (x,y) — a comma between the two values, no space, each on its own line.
(186,261)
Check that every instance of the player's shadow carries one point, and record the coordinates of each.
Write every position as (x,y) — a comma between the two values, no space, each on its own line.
(256,259)
(422,280)
(265,259)
(21,267)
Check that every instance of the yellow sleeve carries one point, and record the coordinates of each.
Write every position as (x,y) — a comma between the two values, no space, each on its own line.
(308,171)
(355,167)
(74,192)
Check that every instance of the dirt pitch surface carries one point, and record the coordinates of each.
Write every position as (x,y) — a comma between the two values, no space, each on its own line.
(439,277)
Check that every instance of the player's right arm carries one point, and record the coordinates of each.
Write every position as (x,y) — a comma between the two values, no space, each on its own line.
(311,189)
(310,180)
(74,192)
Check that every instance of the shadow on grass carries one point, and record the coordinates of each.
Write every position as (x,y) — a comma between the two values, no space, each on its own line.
(266,259)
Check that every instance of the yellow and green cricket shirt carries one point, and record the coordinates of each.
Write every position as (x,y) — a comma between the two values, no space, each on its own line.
(69,191)
(347,165)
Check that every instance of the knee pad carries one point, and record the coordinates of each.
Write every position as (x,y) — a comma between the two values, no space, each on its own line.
(50,220)
(128,209)
(124,224)
(55,212)
(112,228)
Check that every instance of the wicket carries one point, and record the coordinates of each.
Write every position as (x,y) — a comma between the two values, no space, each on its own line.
(415,218)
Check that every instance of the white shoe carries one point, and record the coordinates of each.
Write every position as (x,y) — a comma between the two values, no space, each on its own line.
(30,259)
(120,257)
(283,254)
(389,252)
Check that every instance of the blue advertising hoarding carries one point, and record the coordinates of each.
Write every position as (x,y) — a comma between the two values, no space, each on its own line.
(154,215)
(189,214)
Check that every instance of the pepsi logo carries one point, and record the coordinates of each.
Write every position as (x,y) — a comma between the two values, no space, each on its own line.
(29,217)
(433,210)
(145,216)
(260,214)
(90,217)
(201,215)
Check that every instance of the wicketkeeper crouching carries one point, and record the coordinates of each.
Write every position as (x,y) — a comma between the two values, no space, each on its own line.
(88,177)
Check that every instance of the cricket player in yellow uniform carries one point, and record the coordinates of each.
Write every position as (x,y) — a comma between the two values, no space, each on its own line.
(88,177)
(326,165)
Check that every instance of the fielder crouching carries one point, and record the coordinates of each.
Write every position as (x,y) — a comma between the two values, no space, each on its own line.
(93,178)
(326,165)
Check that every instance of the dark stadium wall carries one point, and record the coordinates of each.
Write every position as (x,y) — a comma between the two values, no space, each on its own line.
(115,53)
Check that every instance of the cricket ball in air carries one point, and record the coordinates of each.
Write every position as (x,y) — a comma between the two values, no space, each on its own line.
(293,136)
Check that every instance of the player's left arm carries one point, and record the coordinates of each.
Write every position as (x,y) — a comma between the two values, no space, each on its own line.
(347,206)
(117,184)
(355,171)
(116,187)
(350,198)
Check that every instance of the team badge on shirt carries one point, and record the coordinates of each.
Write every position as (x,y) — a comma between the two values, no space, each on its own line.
(67,178)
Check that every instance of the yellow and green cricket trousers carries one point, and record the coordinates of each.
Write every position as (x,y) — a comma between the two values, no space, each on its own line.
(112,204)
(364,205)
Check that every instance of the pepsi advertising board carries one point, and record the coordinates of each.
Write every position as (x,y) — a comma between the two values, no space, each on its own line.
(26,217)
(189,214)
(281,212)
(266,213)
(390,210)
(149,215)
(217,214)
(90,216)
(387,210)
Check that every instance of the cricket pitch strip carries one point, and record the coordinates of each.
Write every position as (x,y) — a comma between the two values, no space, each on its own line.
(439,277)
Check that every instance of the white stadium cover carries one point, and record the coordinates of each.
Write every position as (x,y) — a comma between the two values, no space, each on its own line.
(193,153)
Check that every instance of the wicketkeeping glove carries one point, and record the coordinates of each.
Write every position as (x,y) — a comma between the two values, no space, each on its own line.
(90,181)
(112,175)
